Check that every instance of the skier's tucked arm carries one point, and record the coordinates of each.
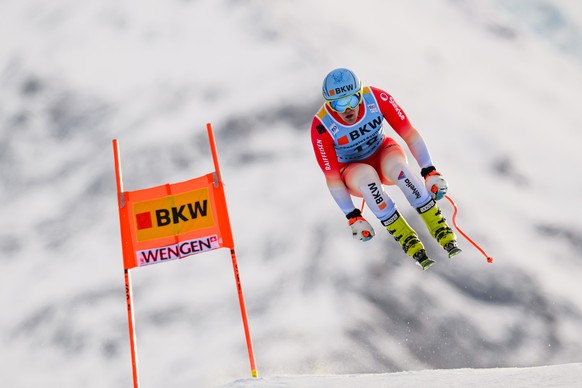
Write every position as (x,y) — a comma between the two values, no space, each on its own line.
(398,120)
(327,160)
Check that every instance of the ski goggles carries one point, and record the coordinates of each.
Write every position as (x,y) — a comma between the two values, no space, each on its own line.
(342,104)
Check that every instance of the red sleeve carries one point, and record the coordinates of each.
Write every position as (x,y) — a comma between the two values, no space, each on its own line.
(391,111)
(398,120)
(324,149)
(327,160)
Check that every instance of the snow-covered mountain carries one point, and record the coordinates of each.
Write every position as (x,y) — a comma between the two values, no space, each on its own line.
(494,87)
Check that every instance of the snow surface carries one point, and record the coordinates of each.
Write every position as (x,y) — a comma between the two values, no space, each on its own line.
(494,86)
(569,375)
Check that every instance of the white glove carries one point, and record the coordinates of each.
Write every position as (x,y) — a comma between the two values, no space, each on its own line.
(436,185)
(361,229)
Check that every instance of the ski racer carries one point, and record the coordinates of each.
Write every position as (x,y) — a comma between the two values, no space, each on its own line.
(357,158)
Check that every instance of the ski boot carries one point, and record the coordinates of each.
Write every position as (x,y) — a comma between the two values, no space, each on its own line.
(408,239)
(438,228)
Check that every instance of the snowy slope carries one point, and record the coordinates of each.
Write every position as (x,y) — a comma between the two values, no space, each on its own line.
(562,376)
(494,87)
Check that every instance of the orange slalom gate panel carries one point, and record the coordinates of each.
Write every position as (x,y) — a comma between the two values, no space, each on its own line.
(174,221)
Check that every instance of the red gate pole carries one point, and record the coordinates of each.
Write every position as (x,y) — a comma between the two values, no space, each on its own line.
(226,220)
(128,293)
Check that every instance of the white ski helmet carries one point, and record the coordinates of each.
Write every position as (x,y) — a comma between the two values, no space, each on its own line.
(340,83)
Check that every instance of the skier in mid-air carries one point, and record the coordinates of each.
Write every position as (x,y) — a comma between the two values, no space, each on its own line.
(357,158)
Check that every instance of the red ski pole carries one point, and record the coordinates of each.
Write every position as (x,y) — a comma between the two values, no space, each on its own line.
(489,258)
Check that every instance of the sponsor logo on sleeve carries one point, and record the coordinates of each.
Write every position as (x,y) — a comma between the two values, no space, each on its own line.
(397,109)
(323,154)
